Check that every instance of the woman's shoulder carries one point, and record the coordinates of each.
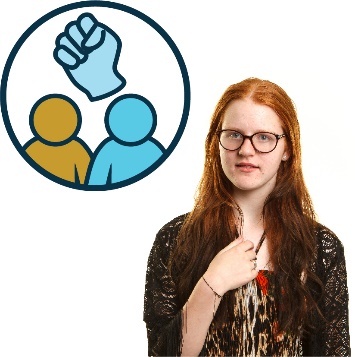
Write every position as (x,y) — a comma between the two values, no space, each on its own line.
(326,237)
(166,237)
(173,225)
(330,246)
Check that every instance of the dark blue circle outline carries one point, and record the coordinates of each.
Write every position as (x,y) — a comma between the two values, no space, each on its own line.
(116,6)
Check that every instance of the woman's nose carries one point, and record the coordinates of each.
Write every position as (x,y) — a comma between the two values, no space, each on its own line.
(247,148)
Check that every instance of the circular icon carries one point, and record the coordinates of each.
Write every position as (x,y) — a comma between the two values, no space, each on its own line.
(104,95)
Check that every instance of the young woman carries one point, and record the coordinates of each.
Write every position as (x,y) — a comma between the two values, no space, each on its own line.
(249,271)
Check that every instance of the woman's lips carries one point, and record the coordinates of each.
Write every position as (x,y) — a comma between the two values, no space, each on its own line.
(247,167)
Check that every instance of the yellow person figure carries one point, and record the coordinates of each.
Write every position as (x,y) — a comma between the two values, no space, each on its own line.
(55,121)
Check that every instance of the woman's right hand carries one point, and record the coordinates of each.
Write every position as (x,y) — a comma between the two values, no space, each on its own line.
(232,267)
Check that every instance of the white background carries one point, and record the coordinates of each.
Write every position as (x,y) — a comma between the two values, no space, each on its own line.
(72,263)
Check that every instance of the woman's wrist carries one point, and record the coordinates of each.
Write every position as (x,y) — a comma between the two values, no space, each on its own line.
(214,292)
(214,282)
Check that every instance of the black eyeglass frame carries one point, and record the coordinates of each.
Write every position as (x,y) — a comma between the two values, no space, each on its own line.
(250,137)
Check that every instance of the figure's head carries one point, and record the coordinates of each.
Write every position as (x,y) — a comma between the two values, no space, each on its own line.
(130,119)
(282,114)
(55,119)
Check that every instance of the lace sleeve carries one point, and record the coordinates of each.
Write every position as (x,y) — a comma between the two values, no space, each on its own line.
(162,315)
(332,337)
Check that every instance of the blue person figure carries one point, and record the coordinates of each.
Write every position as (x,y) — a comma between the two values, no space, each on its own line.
(130,149)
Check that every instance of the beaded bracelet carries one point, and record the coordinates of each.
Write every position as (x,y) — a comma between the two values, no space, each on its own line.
(215,295)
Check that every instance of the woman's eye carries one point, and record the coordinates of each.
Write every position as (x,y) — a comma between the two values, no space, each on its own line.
(235,135)
(263,137)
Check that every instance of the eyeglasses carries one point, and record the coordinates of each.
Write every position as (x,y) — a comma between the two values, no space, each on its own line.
(263,142)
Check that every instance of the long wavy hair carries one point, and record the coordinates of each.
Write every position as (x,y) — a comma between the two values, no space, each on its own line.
(289,217)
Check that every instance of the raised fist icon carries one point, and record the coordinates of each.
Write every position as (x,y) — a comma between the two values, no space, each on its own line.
(89,51)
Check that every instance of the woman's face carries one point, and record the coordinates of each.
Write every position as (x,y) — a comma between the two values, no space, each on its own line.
(248,169)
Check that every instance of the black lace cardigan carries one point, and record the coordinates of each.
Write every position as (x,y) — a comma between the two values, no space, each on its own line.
(162,314)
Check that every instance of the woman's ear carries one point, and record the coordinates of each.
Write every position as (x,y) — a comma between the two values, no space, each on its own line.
(286,153)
